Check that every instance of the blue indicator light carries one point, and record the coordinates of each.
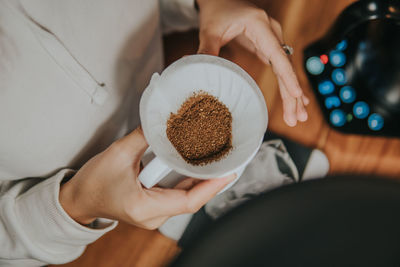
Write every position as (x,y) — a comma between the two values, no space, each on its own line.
(326,87)
(339,76)
(375,122)
(347,94)
(337,58)
(342,45)
(360,110)
(337,117)
(314,65)
(332,102)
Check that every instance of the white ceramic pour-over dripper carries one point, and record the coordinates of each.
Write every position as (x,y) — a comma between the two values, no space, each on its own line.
(220,78)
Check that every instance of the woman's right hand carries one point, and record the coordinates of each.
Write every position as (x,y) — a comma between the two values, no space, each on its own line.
(107,186)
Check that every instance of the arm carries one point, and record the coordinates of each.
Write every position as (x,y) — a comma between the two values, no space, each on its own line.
(43,222)
(35,229)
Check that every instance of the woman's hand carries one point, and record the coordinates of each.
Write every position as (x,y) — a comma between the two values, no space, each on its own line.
(107,186)
(224,20)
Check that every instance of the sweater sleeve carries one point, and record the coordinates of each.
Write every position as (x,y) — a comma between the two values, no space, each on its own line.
(35,229)
(178,15)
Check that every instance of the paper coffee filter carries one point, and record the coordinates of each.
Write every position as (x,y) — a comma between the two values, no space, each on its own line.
(220,78)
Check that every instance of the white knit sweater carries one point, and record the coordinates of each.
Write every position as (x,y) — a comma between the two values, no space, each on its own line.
(71,74)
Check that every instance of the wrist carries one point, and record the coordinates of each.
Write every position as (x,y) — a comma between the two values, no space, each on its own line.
(74,205)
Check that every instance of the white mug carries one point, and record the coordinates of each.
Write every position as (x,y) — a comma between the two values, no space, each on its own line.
(220,78)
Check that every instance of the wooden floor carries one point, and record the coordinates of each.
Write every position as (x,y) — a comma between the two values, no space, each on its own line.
(303,21)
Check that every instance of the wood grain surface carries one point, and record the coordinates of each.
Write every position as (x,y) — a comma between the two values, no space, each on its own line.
(303,21)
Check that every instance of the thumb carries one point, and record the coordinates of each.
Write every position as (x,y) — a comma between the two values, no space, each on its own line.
(134,143)
(170,202)
(202,192)
(209,44)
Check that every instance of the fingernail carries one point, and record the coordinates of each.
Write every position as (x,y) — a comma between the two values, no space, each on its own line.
(303,116)
(290,121)
(306,101)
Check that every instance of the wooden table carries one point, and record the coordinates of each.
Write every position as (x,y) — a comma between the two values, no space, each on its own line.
(303,21)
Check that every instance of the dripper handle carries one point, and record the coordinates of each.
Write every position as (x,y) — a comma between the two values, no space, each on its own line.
(154,172)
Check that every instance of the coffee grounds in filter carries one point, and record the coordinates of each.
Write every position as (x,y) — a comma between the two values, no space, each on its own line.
(201,130)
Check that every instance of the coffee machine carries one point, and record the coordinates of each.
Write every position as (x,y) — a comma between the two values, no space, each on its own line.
(355,69)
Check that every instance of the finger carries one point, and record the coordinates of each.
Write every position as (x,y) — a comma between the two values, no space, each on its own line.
(170,202)
(187,183)
(306,100)
(289,105)
(246,43)
(210,43)
(201,193)
(301,111)
(277,29)
(270,48)
(303,100)
(283,68)
(134,143)
(213,38)
(153,223)
(161,202)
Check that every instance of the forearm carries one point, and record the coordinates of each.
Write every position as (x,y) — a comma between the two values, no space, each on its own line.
(35,229)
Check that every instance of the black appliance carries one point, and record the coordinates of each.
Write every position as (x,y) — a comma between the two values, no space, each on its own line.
(355,69)
(325,222)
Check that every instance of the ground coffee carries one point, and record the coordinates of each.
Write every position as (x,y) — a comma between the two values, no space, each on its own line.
(201,130)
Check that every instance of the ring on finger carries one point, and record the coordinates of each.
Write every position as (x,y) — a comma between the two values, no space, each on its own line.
(288,49)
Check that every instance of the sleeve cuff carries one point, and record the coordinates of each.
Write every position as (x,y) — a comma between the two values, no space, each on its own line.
(46,224)
(178,15)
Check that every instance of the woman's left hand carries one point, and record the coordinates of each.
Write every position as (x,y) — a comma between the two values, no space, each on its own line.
(224,20)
